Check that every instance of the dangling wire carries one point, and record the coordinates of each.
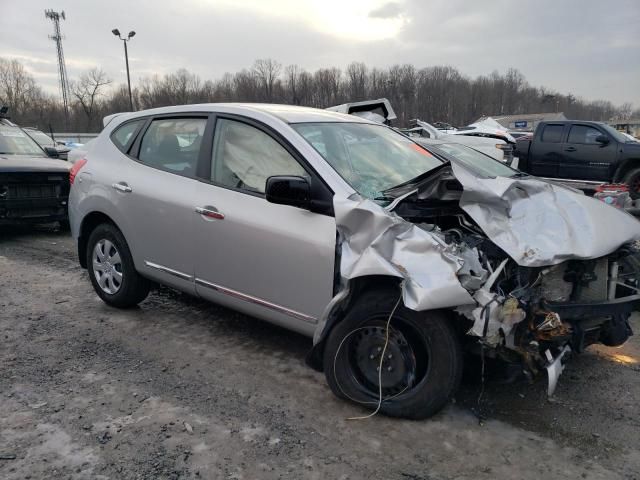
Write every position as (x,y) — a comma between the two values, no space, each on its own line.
(384,350)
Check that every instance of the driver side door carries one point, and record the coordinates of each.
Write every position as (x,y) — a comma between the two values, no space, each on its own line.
(272,261)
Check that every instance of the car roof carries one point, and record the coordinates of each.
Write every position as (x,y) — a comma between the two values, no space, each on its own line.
(284,113)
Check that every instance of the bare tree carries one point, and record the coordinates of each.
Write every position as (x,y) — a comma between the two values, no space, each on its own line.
(267,72)
(88,89)
(18,88)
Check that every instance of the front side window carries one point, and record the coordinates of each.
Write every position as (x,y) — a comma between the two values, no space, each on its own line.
(14,141)
(123,133)
(173,144)
(371,158)
(244,157)
(584,134)
(552,133)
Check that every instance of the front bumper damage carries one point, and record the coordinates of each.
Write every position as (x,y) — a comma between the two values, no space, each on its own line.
(531,268)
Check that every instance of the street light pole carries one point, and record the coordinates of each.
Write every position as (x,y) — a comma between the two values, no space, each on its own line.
(116,32)
(126,59)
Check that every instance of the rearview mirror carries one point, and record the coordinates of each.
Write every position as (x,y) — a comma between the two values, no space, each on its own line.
(288,190)
(602,139)
(51,152)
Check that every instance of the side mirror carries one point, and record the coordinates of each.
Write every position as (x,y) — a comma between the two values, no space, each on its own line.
(288,190)
(602,139)
(51,152)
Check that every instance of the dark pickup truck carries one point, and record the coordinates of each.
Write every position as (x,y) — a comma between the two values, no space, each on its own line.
(584,154)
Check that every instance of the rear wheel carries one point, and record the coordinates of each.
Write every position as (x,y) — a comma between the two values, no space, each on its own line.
(632,178)
(111,268)
(422,361)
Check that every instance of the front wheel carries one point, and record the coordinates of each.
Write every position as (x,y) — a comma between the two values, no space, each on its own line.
(422,361)
(111,268)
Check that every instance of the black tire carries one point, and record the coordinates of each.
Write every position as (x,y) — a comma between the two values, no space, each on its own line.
(428,357)
(632,178)
(133,288)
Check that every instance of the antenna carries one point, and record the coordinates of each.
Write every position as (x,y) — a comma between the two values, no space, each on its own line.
(62,69)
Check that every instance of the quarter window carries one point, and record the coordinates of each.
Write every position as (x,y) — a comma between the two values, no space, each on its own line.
(244,157)
(552,133)
(584,134)
(123,133)
(173,144)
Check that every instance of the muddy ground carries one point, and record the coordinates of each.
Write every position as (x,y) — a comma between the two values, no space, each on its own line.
(184,389)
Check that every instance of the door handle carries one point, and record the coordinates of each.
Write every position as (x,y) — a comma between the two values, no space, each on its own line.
(122,187)
(210,212)
(570,149)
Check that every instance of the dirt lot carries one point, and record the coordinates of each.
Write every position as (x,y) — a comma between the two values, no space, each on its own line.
(183,389)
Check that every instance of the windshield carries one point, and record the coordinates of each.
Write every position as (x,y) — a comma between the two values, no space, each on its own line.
(371,158)
(42,138)
(14,141)
(475,160)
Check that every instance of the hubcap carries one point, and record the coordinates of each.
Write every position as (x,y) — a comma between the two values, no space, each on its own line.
(107,266)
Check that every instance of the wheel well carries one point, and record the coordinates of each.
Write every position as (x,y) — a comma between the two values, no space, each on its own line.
(356,287)
(89,223)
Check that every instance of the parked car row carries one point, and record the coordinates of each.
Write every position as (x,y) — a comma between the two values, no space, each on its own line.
(394,256)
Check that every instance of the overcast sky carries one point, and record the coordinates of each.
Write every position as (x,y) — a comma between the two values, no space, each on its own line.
(589,48)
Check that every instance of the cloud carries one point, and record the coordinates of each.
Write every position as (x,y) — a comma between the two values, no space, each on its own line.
(388,10)
(573,46)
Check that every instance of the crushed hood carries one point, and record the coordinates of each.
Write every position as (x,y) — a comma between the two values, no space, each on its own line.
(539,223)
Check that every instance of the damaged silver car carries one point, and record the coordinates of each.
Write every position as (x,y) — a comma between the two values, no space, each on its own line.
(395,257)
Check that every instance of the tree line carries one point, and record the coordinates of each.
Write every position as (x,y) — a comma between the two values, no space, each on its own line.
(436,93)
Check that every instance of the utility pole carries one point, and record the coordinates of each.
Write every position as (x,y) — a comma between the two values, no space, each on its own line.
(116,32)
(62,69)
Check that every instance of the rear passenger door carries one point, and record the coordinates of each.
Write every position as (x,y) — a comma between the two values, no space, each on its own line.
(547,151)
(586,159)
(155,192)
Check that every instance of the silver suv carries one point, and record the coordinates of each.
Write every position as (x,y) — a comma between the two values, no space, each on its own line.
(393,256)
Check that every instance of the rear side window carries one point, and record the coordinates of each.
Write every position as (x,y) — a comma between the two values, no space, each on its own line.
(552,133)
(122,135)
(584,134)
(173,144)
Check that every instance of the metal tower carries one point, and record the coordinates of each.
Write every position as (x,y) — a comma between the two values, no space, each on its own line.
(62,69)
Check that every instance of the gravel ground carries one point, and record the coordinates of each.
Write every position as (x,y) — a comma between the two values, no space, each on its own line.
(179,388)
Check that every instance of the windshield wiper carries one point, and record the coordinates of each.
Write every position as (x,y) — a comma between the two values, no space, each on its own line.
(519,175)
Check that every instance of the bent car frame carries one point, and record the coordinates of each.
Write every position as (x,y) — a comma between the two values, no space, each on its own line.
(395,257)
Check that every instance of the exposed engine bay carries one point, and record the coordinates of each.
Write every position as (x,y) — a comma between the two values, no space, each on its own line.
(522,300)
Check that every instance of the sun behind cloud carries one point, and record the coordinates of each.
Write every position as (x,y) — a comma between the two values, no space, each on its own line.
(354,20)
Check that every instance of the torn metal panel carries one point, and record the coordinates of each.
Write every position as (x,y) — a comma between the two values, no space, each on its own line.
(541,224)
(377,242)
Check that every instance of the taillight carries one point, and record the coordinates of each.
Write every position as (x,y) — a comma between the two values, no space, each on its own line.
(75,169)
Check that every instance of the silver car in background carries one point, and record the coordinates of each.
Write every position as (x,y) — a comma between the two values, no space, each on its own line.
(394,257)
